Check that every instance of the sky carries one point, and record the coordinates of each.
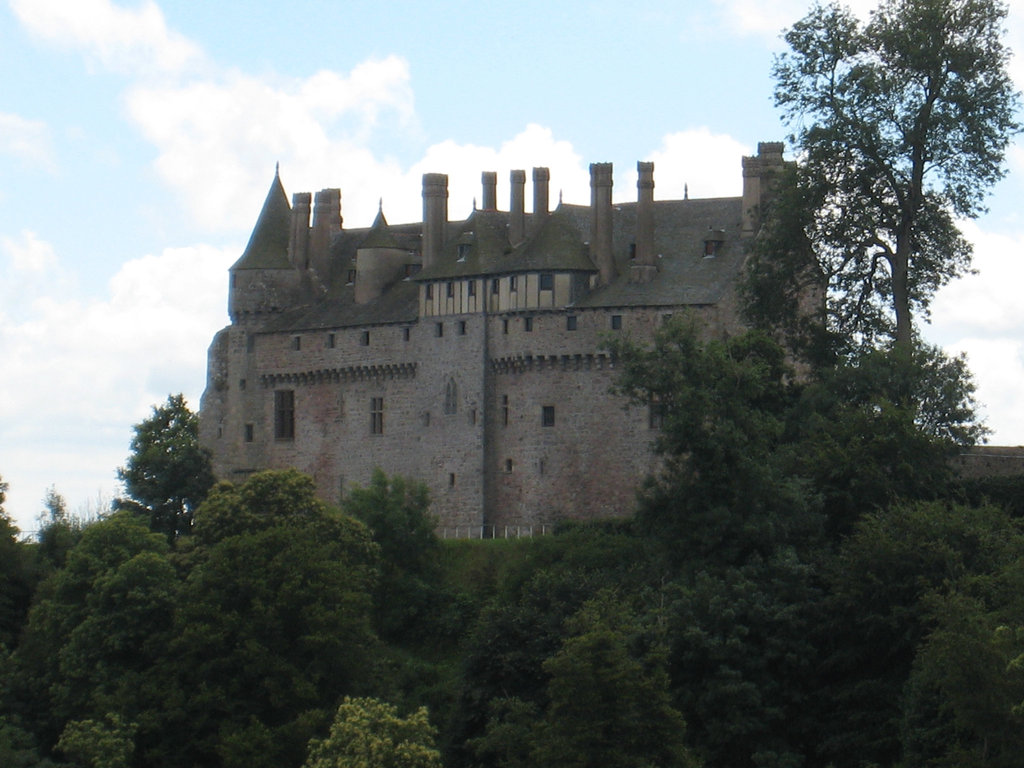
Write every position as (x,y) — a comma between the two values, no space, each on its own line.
(138,141)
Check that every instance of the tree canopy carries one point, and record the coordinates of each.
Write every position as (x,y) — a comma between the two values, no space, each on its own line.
(901,125)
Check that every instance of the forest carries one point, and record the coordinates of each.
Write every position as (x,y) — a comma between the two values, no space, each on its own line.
(808,581)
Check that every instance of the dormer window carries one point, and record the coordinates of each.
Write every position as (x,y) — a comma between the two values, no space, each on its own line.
(713,242)
(547,281)
(463,251)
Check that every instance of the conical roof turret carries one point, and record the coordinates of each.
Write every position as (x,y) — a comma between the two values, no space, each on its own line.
(268,245)
(380,235)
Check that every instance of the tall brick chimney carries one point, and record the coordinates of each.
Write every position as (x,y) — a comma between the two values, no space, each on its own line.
(601,220)
(517,203)
(298,241)
(541,177)
(435,216)
(326,224)
(489,181)
(644,265)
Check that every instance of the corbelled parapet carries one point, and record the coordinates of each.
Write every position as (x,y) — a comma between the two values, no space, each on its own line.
(601,220)
(435,216)
(758,173)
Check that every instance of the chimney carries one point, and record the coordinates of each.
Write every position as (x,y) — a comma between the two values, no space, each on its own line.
(326,224)
(489,180)
(757,173)
(541,176)
(517,202)
(298,241)
(601,220)
(435,216)
(644,265)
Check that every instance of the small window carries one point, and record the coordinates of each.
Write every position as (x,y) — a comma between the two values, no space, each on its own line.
(547,416)
(495,286)
(471,288)
(331,340)
(542,466)
(616,322)
(284,414)
(528,324)
(376,415)
(513,283)
(439,330)
(426,418)
(451,397)
(632,251)
(472,416)
(504,325)
(570,323)
(241,384)
(430,291)
(451,479)
(406,333)
(250,433)
(412,269)
(547,281)
(462,327)
(509,466)
(449,289)
(463,250)
(364,339)
(504,410)
(351,278)
(296,343)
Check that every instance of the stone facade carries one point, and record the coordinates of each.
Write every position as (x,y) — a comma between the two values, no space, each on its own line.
(467,354)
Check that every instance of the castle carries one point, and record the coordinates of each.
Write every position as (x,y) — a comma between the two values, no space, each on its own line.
(467,354)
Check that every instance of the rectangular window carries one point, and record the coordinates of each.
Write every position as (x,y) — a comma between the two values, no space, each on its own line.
(351,277)
(504,410)
(376,415)
(528,324)
(250,433)
(451,479)
(547,416)
(471,288)
(462,327)
(284,414)
(495,286)
(406,333)
(504,325)
(364,339)
(616,322)
(296,343)
(241,384)
(513,283)
(331,340)
(430,291)
(570,323)
(547,281)
(509,466)
(439,330)
(449,289)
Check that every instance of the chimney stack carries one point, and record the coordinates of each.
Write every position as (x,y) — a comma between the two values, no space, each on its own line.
(517,203)
(541,176)
(601,220)
(326,224)
(644,265)
(435,216)
(757,180)
(489,180)
(298,241)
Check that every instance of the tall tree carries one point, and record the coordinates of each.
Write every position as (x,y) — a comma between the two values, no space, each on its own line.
(168,473)
(902,125)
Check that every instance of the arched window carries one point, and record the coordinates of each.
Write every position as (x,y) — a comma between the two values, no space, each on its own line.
(451,397)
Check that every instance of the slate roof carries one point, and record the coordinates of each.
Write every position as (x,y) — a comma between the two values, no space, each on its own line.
(268,245)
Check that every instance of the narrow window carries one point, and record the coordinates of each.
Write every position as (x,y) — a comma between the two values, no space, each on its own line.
(547,281)
(570,323)
(462,327)
(430,291)
(250,433)
(376,415)
(451,397)
(284,414)
(528,324)
(542,466)
(450,289)
(504,410)
(439,329)
(547,416)
(296,343)
(495,286)
(331,340)
(364,339)
(616,322)
(509,466)
(513,283)
(351,277)
(472,416)
(241,384)
(504,325)
(406,333)
(451,479)
(471,288)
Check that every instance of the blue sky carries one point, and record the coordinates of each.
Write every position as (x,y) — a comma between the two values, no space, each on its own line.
(137,141)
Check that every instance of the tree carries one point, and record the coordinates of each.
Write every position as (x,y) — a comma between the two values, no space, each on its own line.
(16,578)
(902,125)
(368,733)
(168,473)
(104,743)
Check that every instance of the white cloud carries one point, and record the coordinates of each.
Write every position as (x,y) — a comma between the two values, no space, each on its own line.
(704,163)
(124,40)
(30,254)
(215,139)
(28,140)
(78,373)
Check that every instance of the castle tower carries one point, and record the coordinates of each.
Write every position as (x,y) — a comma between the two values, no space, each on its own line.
(380,261)
(758,173)
(601,220)
(644,265)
